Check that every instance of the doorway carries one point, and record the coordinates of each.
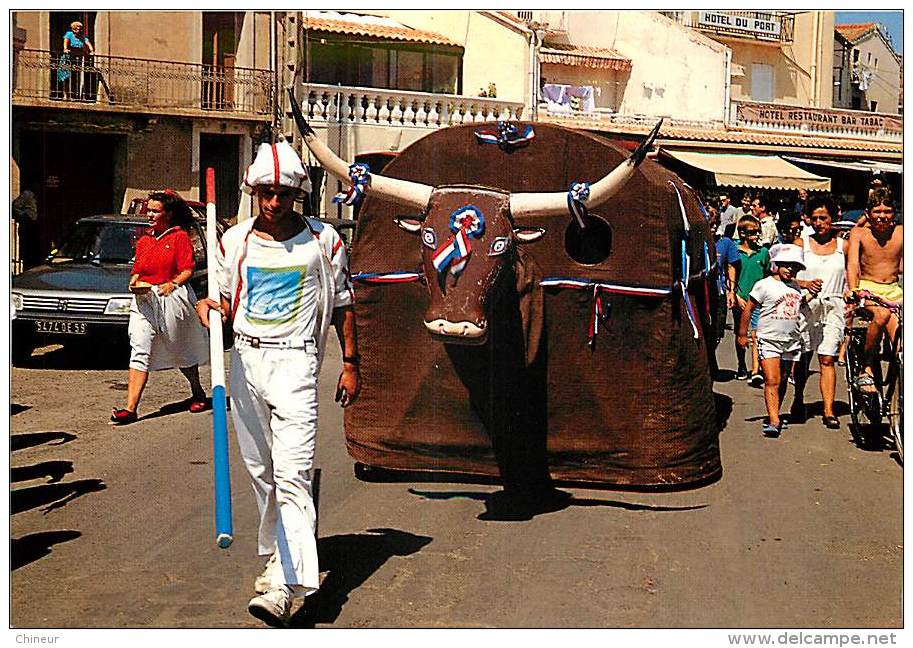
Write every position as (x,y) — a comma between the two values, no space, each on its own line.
(222,153)
(221,32)
(72,176)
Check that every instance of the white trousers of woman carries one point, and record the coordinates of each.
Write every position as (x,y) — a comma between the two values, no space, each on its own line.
(274,409)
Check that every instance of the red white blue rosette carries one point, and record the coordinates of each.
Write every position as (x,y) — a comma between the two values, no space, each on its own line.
(577,195)
(506,135)
(466,223)
(360,174)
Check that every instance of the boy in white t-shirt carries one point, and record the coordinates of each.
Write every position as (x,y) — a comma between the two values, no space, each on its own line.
(779,299)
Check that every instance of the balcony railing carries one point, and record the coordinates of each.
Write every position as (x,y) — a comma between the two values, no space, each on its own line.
(768,26)
(140,84)
(402,108)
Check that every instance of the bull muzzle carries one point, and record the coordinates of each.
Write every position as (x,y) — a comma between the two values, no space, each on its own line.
(457,332)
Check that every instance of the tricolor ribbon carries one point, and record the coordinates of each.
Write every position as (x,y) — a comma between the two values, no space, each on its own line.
(601,308)
(686,262)
(506,135)
(387,277)
(465,223)
(577,195)
(360,174)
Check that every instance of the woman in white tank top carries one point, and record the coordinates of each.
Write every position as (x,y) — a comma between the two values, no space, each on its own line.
(825,268)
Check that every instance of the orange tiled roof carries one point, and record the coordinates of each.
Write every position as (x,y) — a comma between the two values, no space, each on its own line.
(854,30)
(593,57)
(759,138)
(387,32)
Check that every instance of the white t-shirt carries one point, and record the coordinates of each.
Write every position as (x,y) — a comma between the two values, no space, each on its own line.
(274,286)
(728,216)
(780,303)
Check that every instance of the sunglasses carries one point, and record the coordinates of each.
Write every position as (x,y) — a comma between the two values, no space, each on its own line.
(750,232)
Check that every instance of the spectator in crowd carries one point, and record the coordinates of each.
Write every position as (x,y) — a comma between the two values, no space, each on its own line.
(25,213)
(799,209)
(768,223)
(746,205)
(727,264)
(729,216)
(164,331)
(825,277)
(790,229)
(779,299)
(754,261)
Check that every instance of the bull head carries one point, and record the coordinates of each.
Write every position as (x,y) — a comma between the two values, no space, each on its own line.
(483,219)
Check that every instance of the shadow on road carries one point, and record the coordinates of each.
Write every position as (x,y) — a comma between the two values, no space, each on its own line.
(29,439)
(571,501)
(723,405)
(53,470)
(168,409)
(54,496)
(350,560)
(32,547)
(16,408)
(80,356)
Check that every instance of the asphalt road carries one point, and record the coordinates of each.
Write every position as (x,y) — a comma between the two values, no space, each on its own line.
(113,527)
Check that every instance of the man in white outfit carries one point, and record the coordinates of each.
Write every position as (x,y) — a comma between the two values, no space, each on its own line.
(283,279)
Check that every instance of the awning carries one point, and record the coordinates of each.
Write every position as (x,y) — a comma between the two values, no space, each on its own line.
(354,24)
(598,58)
(865,166)
(764,172)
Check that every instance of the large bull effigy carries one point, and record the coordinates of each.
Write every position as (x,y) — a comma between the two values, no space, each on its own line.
(571,343)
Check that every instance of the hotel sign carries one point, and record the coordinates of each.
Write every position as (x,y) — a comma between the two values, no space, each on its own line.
(734,22)
(818,119)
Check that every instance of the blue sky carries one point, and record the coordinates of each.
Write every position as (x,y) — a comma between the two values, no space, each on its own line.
(893,20)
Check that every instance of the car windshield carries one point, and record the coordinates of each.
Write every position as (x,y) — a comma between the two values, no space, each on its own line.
(102,242)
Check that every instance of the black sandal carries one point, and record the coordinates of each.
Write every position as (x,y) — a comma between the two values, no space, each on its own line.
(831,422)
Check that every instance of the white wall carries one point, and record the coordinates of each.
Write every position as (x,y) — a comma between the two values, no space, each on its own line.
(675,71)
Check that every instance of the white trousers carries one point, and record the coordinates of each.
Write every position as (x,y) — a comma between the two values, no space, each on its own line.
(274,409)
(165,332)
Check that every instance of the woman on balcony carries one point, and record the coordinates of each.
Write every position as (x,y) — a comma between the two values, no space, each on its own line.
(73,71)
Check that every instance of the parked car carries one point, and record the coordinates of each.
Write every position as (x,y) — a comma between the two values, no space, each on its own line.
(80,293)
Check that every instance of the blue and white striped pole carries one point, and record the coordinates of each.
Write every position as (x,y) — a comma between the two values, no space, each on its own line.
(224,534)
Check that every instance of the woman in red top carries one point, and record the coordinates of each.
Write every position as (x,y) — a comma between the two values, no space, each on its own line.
(164,330)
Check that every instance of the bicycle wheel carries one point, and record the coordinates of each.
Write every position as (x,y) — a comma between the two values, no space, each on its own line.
(853,396)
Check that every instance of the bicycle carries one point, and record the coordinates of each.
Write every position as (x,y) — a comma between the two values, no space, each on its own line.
(868,410)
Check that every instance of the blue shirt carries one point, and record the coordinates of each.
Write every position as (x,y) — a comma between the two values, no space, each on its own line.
(727,253)
(74,41)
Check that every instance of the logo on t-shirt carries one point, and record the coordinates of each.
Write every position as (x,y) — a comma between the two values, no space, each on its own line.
(274,295)
(787,307)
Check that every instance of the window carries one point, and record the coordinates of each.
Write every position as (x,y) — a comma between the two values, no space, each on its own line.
(874,106)
(855,56)
(875,67)
(762,82)
(868,59)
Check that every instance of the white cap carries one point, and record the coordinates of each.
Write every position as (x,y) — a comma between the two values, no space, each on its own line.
(787,253)
(276,164)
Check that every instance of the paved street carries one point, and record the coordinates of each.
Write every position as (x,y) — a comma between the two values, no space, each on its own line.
(112,527)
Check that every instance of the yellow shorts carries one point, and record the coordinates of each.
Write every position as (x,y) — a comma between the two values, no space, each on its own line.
(889,292)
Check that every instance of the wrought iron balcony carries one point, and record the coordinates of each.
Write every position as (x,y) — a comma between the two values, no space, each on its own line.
(114,83)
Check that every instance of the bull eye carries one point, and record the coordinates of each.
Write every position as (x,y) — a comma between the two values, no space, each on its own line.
(498,246)
(428,237)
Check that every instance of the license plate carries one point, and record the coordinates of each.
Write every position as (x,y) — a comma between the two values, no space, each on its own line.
(60,326)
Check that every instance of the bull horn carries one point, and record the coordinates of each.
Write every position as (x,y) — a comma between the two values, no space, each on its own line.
(404,192)
(555,203)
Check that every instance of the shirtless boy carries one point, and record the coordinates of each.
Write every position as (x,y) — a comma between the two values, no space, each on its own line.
(874,263)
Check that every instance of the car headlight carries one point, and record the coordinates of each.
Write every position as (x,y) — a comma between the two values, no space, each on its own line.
(16,298)
(118,306)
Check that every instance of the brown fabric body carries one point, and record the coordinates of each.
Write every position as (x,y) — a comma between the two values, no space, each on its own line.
(635,410)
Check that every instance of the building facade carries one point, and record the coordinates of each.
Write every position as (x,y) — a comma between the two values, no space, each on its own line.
(875,68)
(141,113)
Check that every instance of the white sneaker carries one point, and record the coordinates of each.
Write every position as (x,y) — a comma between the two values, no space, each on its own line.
(274,607)
(265,580)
